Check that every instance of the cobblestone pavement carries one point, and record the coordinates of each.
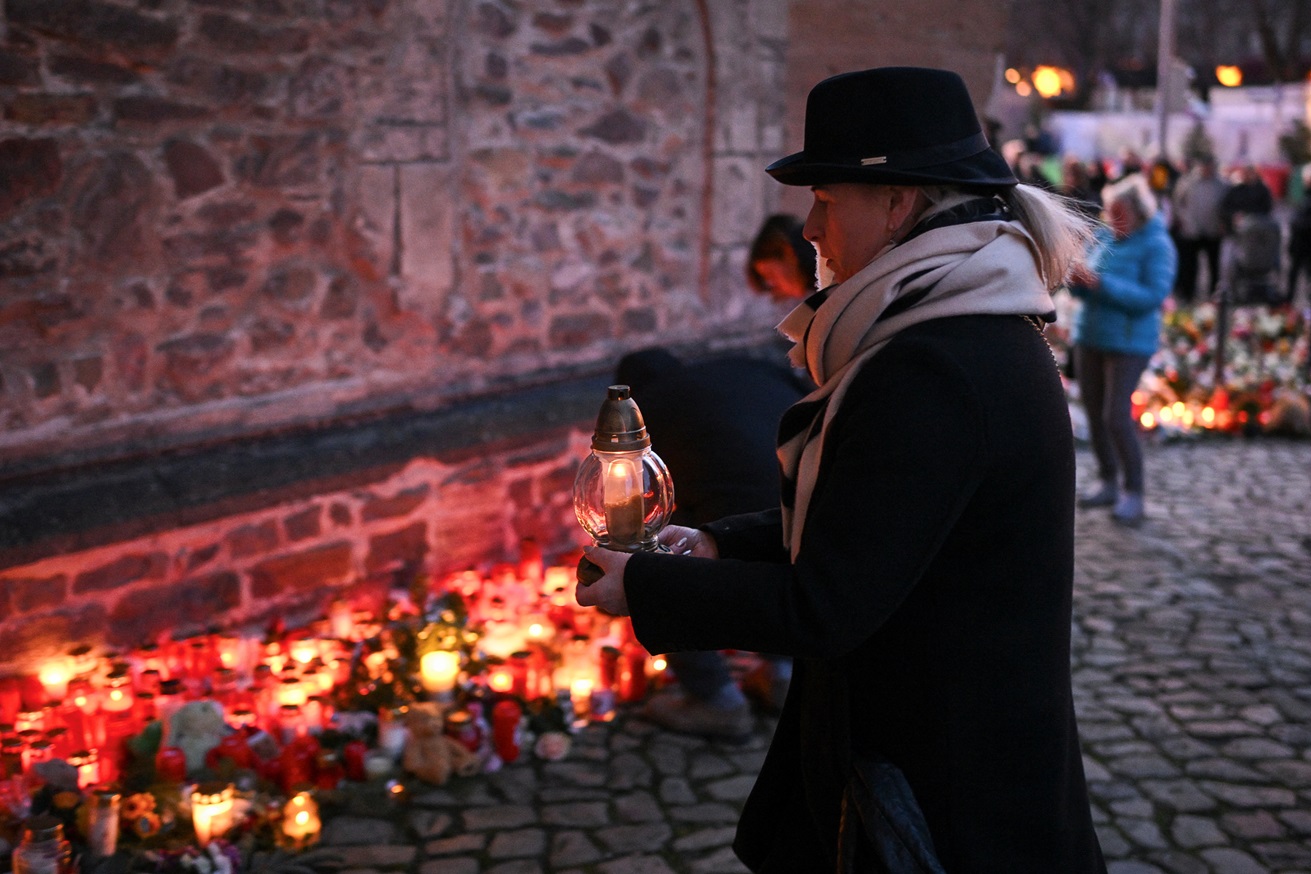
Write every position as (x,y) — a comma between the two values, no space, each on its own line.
(1192,671)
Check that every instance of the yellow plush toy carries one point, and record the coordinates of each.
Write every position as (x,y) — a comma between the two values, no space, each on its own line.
(430,754)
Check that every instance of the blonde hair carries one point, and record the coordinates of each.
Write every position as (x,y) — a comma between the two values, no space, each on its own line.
(1062,231)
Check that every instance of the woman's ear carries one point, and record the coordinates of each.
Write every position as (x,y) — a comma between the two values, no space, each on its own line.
(905,205)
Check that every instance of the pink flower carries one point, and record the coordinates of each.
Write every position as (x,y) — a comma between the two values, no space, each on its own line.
(552,746)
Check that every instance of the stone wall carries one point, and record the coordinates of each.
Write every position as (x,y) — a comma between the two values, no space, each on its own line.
(300,297)
(285,561)
(219,219)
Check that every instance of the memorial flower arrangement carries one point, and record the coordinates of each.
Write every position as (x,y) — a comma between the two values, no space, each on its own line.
(1264,385)
(223,753)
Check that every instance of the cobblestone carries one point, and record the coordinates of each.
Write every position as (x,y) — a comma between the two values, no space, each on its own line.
(1191,661)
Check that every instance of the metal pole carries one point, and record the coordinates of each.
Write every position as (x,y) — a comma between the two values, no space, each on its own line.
(1164,73)
(1221,335)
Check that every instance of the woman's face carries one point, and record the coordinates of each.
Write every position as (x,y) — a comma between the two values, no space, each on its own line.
(1122,218)
(849,225)
(781,277)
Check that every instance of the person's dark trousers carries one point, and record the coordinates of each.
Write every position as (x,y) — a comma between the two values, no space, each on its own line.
(1106,382)
(703,675)
(1190,248)
(1210,247)
(1298,264)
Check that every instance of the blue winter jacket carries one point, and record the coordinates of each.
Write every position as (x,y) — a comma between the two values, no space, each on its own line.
(1122,311)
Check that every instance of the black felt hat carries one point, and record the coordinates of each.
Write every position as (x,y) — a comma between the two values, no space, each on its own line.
(895,126)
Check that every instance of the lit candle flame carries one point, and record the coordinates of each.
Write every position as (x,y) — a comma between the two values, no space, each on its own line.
(623,502)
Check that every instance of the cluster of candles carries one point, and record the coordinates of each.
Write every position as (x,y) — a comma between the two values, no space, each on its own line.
(522,636)
(1153,414)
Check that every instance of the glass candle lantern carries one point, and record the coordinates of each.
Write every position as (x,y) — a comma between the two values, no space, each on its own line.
(211,811)
(54,679)
(102,823)
(438,672)
(623,494)
(87,763)
(82,695)
(43,849)
(118,694)
(301,824)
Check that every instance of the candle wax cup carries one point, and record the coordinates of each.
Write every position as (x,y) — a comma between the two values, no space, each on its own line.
(622,500)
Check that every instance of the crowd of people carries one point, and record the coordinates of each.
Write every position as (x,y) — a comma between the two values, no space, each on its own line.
(1232,240)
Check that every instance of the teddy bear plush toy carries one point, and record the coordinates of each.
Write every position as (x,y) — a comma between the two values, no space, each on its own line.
(197,727)
(430,754)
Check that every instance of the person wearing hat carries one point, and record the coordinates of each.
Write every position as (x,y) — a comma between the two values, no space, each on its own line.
(919,568)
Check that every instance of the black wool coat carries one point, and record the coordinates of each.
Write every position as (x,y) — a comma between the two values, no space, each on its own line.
(928,609)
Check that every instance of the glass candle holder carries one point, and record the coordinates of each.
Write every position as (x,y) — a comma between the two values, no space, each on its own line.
(211,811)
(301,825)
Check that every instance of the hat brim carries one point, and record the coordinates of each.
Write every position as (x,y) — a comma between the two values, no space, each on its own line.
(985,169)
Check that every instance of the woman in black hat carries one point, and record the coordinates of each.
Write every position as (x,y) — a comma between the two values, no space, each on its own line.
(920,566)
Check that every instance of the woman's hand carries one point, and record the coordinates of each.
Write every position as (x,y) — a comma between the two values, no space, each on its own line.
(604,568)
(688,541)
(606,592)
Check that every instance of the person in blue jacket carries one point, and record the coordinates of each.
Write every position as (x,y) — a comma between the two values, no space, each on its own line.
(1116,332)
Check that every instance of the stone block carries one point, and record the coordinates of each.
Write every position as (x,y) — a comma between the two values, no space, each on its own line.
(427,236)
(24,255)
(648,838)
(400,504)
(450,866)
(618,127)
(19,69)
(317,88)
(193,168)
(579,330)
(291,285)
(87,372)
(120,572)
(45,379)
(256,539)
(194,365)
(192,604)
(304,524)
(233,35)
(498,817)
(151,110)
(94,23)
(517,843)
(28,168)
(358,830)
(377,856)
(90,71)
(51,109)
(375,221)
(405,548)
(572,848)
(738,191)
(23,595)
(309,570)
(342,297)
(284,161)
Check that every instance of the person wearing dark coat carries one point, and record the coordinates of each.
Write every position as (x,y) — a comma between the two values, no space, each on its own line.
(1299,240)
(919,566)
(713,423)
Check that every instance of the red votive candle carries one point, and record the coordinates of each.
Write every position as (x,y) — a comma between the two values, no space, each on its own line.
(505,729)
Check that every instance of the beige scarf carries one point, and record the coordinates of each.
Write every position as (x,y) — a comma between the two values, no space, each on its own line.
(987,266)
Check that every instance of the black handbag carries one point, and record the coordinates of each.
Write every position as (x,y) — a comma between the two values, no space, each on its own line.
(882,829)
